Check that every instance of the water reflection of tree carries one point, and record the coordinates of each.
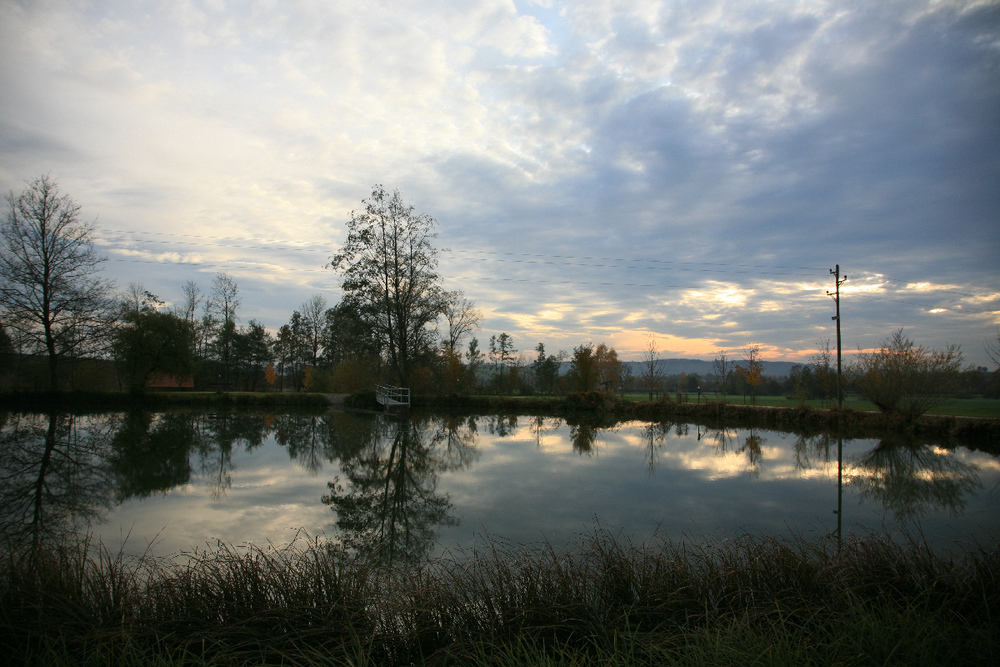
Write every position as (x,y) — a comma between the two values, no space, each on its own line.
(455,437)
(584,431)
(654,437)
(808,448)
(501,425)
(910,479)
(54,475)
(216,436)
(151,453)
(752,446)
(389,507)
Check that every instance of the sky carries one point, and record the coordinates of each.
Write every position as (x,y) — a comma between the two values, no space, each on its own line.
(686,172)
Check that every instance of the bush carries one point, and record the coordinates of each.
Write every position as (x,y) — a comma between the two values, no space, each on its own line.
(589,400)
(362,400)
(905,379)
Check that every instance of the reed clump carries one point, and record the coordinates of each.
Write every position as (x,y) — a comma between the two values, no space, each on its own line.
(751,600)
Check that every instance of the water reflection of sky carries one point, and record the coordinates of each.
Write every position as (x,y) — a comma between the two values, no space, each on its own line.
(684,486)
(534,480)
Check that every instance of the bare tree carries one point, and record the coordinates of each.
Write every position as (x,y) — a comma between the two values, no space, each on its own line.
(192,298)
(224,300)
(723,371)
(313,319)
(220,311)
(905,378)
(49,288)
(993,348)
(651,375)
(389,270)
(463,318)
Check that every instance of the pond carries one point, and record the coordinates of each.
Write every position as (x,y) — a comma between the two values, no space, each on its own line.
(170,483)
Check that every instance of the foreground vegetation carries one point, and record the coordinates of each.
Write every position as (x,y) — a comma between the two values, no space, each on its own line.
(751,600)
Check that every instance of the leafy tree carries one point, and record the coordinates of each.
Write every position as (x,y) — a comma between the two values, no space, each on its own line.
(149,341)
(389,270)
(546,370)
(50,292)
(583,369)
(751,370)
(347,337)
(473,361)
(454,372)
(608,368)
(903,378)
(284,347)
(252,354)
(502,355)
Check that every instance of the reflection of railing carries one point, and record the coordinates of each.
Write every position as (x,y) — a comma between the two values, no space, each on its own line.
(393,398)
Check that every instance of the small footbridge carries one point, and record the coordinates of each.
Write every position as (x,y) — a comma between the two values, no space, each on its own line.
(393,399)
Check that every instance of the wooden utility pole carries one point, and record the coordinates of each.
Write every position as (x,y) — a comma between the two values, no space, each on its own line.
(836,297)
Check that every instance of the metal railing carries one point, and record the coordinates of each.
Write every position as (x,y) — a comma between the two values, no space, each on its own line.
(390,396)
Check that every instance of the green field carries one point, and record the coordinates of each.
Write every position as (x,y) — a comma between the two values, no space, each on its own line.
(962,407)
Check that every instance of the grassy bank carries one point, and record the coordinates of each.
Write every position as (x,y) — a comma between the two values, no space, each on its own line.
(983,433)
(746,601)
(83,401)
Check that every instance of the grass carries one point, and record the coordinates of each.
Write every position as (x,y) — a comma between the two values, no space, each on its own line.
(959,407)
(749,601)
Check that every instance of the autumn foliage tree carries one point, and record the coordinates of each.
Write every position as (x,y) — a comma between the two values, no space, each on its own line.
(751,370)
(608,368)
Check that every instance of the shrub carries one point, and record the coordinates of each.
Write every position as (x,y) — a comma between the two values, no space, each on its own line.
(903,378)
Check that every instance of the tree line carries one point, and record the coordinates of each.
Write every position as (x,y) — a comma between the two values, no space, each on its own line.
(395,323)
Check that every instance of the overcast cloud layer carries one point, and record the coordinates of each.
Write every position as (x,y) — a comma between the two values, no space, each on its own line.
(599,170)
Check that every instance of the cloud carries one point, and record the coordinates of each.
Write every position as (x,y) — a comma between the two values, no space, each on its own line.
(627,154)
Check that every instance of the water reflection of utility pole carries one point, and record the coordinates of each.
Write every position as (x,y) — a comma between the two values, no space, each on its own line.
(840,492)
(836,297)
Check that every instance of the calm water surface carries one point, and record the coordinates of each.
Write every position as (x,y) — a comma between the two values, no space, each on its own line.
(169,483)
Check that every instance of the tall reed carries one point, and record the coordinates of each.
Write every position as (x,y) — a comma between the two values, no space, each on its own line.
(751,600)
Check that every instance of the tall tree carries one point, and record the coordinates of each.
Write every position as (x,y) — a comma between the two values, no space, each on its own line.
(389,270)
(502,354)
(723,371)
(192,298)
(583,369)
(313,320)
(347,337)
(651,375)
(608,367)
(463,318)
(49,288)
(752,370)
(149,340)
(546,370)
(473,361)
(220,307)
